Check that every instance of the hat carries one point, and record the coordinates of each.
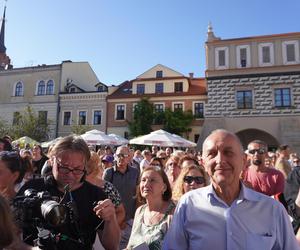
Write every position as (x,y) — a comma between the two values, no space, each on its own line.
(108,158)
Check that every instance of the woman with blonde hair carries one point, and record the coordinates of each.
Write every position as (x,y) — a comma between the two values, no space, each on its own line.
(94,173)
(190,178)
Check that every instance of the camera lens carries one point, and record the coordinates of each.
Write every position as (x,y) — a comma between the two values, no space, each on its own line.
(53,212)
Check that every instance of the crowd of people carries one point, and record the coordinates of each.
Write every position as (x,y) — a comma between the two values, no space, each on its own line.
(223,197)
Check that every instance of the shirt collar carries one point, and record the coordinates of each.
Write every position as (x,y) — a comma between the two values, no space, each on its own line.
(245,194)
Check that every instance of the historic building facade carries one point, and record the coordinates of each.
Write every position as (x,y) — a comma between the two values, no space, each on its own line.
(165,88)
(253,86)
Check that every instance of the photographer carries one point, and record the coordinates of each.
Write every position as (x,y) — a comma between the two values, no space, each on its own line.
(67,182)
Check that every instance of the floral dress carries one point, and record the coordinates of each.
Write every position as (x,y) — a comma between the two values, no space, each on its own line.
(150,235)
(112,193)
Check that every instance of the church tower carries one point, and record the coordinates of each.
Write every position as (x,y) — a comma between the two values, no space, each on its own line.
(4,59)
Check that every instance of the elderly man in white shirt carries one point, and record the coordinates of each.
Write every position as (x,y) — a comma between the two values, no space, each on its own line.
(226,214)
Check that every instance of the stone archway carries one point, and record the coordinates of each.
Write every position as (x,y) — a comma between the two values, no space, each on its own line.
(249,135)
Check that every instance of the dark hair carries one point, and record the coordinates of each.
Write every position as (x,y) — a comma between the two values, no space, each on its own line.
(159,160)
(14,163)
(41,149)
(7,144)
(283,147)
(167,195)
(6,224)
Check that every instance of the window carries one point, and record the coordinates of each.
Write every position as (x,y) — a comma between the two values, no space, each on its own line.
(100,88)
(158,107)
(120,112)
(244,99)
(243,56)
(72,90)
(159,88)
(221,58)
(82,118)
(67,118)
(97,117)
(158,111)
(282,97)
(42,115)
(19,89)
(16,118)
(178,87)
(178,107)
(266,54)
(290,52)
(196,137)
(140,89)
(159,74)
(41,88)
(50,88)
(198,110)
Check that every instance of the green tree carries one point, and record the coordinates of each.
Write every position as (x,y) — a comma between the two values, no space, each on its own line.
(177,122)
(5,129)
(143,116)
(28,123)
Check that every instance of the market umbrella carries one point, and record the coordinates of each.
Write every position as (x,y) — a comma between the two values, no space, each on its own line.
(121,140)
(22,141)
(96,137)
(47,144)
(158,138)
(188,144)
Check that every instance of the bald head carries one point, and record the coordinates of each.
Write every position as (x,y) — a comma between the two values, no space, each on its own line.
(222,133)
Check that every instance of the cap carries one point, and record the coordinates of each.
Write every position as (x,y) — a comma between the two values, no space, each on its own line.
(108,158)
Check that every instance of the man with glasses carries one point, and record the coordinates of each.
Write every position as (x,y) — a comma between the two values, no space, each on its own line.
(89,205)
(227,214)
(125,179)
(268,181)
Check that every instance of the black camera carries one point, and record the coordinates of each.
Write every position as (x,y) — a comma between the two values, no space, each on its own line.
(39,209)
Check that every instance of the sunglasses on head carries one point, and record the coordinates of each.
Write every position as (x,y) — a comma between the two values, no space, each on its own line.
(196,179)
(260,151)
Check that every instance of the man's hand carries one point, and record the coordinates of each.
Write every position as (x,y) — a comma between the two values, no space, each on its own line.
(105,210)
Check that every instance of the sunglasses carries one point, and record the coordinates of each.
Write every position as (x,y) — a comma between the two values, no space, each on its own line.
(196,179)
(260,151)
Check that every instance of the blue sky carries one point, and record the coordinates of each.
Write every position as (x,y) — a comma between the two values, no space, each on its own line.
(123,38)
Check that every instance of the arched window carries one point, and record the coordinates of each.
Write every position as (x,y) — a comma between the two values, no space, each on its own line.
(41,88)
(50,87)
(19,89)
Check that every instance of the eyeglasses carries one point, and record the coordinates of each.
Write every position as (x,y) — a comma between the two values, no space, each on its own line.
(260,151)
(121,155)
(65,170)
(196,179)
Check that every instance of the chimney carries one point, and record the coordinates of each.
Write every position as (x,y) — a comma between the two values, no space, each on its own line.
(191,75)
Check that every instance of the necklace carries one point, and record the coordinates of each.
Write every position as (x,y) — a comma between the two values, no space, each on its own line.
(152,218)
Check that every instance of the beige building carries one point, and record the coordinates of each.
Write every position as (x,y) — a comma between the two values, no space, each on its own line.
(165,88)
(254,88)
(82,99)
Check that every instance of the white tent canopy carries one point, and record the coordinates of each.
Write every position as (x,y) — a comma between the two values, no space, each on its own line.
(47,144)
(121,140)
(96,137)
(163,139)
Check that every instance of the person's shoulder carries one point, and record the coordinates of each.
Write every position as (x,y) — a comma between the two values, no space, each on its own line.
(195,194)
(37,184)
(90,189)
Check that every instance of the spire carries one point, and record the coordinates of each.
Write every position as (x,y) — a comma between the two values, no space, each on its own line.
(210,34)
(2,46)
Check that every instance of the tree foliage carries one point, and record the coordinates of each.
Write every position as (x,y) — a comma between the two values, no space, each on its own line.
(28,123)
(177,122)
(5,129)
(143,116)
